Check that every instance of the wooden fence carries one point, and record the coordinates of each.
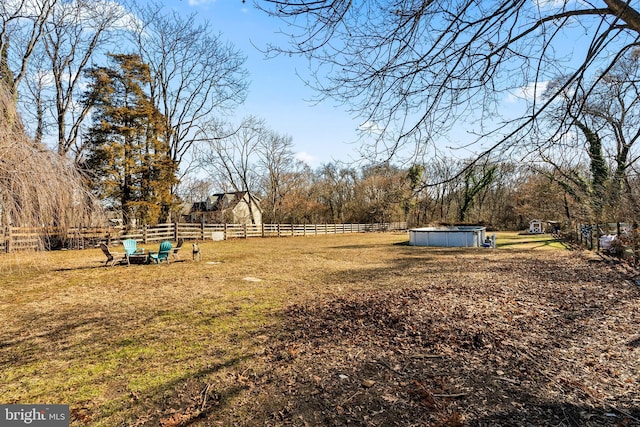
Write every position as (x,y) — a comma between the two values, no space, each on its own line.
(46,238)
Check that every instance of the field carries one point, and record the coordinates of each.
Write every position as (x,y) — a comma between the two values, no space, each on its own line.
(328,330)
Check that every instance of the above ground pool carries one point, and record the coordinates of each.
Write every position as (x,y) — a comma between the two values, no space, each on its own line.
(454,236)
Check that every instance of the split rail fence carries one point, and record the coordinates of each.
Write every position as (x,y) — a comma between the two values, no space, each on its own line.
(45,238)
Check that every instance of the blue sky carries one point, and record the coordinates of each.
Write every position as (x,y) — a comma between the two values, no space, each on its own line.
(320,132)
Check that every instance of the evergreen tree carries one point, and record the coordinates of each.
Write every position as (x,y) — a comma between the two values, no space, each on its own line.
(127,156)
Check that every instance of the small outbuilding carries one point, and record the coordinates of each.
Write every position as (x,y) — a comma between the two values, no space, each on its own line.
(536,226)
(453,236)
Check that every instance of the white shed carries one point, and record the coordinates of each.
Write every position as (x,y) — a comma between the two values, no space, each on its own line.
(536,226)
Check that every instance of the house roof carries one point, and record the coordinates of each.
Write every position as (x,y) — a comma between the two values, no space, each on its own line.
(185,208)
(219,202)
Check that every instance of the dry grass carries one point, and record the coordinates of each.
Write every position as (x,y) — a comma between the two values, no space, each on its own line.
(520,241)
(194,342)
(114,340)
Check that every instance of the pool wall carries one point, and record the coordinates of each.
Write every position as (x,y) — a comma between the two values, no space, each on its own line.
(455,236)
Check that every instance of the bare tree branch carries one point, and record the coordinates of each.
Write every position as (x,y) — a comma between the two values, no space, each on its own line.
(197,77)
(416,68)
(21,28)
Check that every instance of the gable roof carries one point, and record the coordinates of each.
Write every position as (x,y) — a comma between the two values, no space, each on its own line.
(219,202)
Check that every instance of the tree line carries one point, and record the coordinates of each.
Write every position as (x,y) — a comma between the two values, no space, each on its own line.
(495,193)
(134,100)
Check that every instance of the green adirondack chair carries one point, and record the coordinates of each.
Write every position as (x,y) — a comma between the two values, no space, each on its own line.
(162,254)
(133,252)
(131,247)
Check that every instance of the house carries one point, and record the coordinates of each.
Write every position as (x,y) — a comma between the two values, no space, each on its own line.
(231,208)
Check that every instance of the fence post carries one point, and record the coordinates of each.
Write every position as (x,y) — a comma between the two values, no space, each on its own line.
(634,232)
(587,234)
(175,231)
(145,229)
(262,229)
(244,230)
(201,230)
(225,232)
(580,234)
(8,239)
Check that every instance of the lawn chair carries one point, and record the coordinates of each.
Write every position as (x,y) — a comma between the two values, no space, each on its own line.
(162,254)
(174,253)
(133,253)
(131,247)
(113,257)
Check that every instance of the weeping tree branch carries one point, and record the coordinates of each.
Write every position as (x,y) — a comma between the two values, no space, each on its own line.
(37,186)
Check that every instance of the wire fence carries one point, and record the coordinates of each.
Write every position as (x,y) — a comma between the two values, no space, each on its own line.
(613,238)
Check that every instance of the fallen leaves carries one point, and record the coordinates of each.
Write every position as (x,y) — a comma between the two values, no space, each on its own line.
(505,341)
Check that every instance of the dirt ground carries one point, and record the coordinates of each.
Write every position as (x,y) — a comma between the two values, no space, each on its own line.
(447,338)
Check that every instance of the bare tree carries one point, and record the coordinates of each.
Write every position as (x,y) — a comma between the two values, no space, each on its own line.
(595,140)
(476,180)
(541,195)
(380,192)
(336,184)
(35,103)
(445,176)
(231,161)
(614,107)
(278,162)
(197,77)
(49,45)
(37,187)
(299,201)
(193,189)
(75,34)
(21,28)
(421,65)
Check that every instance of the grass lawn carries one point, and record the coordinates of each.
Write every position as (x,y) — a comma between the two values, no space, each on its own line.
(323,330)
(508,240)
